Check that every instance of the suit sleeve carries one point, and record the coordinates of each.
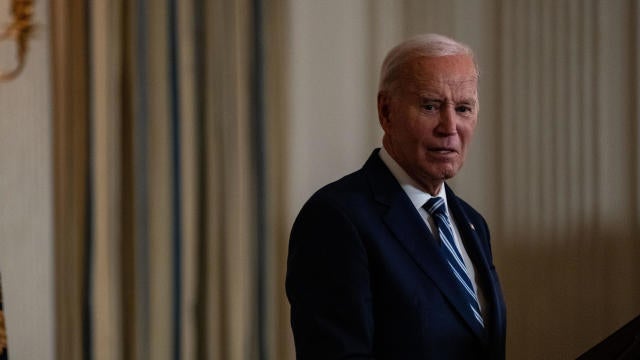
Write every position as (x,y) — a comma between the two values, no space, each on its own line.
(328,285)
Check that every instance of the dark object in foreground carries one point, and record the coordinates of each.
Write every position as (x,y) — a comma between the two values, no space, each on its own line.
(624,344)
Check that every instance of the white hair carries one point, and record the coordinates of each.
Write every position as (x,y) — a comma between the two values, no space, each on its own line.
(424,45)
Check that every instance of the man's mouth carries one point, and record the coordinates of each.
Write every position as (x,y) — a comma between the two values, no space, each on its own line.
(442,150)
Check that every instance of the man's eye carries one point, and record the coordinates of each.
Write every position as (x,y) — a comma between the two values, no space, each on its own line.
(463,109)
(429,107)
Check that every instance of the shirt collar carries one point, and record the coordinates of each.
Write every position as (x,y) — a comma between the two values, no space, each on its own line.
(417,196)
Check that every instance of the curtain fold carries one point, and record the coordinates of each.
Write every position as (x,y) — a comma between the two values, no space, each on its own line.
(71,169)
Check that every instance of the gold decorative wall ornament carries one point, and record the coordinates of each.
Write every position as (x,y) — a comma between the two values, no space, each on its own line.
(19,30)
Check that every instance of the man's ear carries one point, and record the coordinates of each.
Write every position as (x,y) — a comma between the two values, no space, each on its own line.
(384,110)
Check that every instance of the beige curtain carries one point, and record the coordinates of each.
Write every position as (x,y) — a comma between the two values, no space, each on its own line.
(569,142)
(160,245)
(156,182)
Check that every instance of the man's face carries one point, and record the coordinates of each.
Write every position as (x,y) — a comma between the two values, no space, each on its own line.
(429,117)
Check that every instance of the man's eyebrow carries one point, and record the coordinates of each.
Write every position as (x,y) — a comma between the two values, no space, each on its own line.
(424,96)
(470,101)
(433,98)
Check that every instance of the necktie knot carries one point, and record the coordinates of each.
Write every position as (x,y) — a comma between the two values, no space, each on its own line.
(435,206)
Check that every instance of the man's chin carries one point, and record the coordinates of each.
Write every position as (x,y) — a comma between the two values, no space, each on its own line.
(445,172)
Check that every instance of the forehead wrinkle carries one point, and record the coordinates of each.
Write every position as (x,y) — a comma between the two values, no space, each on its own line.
(457,90)
(418,77)
(455,83)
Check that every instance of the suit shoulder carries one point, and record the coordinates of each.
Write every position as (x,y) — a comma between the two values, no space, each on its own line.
(345,201)
(341,190)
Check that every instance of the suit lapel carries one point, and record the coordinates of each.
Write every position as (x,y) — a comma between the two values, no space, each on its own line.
(410,230)
(472,242)
(468,232)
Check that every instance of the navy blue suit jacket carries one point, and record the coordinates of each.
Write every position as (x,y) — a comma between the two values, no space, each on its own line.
(366,281)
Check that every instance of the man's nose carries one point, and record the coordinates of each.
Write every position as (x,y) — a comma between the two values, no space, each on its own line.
(447,125)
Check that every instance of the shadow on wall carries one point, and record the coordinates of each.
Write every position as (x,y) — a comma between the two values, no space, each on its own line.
(565,296)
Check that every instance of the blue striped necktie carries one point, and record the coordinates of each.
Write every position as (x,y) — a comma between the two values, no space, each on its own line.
(435,207)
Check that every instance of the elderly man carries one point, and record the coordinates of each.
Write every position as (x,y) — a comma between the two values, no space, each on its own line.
(387,262)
